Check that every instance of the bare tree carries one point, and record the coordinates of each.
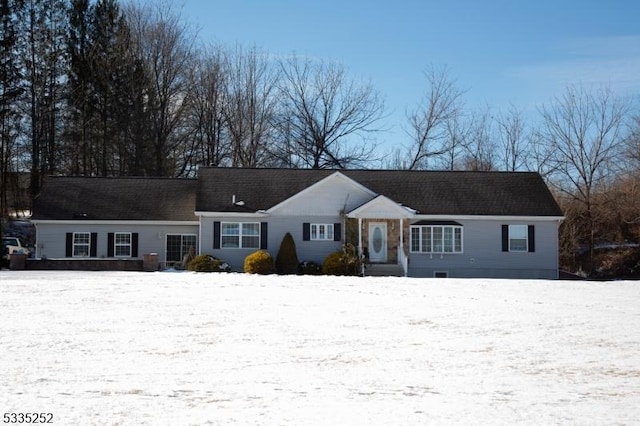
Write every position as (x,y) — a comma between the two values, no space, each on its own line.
(480,150)
(633,143)
(250,105)
(459,130)
(205,115)
(325,112)
(430,124)
(513,141)
(584,130)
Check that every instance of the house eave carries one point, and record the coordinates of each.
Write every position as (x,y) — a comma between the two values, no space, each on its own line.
(259,213)
(115,222)
(489,217)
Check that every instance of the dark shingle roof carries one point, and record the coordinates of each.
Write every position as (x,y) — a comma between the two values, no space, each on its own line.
(429,192)
(117,198)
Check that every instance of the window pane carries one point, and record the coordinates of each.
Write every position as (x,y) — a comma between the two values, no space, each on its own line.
(188,243)
(230,229)
(448,239)
(314,232)
(81,238)
(230,241)
(330,232)
(250,242)
(123,238)
(173,248)
(437,239)
(250,229)
(458,240)
(426,239)
(415,239)
(81,251)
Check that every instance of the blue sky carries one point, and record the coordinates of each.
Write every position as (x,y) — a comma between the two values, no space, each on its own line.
(504,51)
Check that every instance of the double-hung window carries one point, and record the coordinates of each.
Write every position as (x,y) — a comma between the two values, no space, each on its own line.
(436,239)
(322,231)
(122,244)
(81,244)
(240,235)
(518,238)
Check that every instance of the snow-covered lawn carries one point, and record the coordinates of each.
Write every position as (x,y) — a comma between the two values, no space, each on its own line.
(181,348)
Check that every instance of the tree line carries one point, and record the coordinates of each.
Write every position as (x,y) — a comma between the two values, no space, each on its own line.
(101,88)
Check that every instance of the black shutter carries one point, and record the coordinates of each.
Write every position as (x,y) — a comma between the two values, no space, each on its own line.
(134,244)
(337,232)
(93,249)
(263,235)
(110,245)
(505,237)
(69,246)
(216,235)
(306,231)
(532,238)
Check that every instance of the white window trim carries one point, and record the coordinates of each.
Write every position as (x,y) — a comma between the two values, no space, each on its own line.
(453,241)
(327,227)
(526,239)
(116,245)
(74,244)
(240,235)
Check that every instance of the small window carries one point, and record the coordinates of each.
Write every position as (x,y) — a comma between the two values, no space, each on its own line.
(322,231)
(441,274)
(240,235)
(81,244)
(122,244)
(518,236)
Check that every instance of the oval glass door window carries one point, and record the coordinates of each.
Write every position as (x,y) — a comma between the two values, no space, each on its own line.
(377,239)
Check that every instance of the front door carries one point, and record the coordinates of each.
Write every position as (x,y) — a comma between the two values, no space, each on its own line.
(377,242)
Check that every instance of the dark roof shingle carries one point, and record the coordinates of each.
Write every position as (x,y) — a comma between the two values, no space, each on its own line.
(116,198)
(429,192)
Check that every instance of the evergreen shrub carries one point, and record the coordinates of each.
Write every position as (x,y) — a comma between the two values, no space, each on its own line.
(287,258)
(259,262)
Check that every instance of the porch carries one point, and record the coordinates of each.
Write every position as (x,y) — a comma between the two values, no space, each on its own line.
(383,245)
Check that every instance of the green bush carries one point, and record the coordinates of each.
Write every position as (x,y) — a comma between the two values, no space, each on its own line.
(309,268)
(345,262)
(287,258)
(207,263)
(259,262)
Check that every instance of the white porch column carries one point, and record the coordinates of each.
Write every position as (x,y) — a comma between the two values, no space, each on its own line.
(360,236)
(402,235)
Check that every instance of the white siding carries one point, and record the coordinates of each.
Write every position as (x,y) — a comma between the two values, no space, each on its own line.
(327,198)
